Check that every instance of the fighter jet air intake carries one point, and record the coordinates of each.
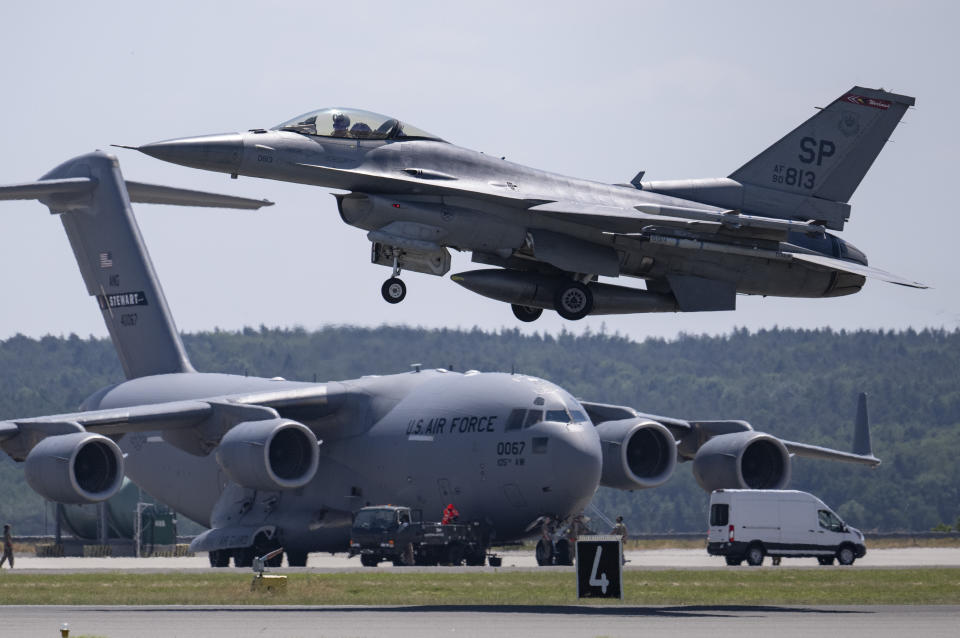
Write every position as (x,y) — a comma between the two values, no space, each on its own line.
(696,243)
(269,463)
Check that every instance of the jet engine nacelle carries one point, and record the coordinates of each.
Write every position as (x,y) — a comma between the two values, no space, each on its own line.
(273,454)
(77,468)
(637,454)
(742,460)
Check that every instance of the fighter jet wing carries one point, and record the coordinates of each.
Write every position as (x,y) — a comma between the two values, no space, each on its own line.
(857,269)
(626,220)
(416,181)
(617,219)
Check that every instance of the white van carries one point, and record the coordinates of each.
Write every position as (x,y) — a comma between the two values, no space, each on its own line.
(750,524)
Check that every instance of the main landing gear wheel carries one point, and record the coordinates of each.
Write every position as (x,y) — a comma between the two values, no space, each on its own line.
(526,313)
(393,290)
(544,553)
(573,301)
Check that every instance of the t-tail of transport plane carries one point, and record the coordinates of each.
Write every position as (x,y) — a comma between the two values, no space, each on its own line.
(93,201)
(812,172)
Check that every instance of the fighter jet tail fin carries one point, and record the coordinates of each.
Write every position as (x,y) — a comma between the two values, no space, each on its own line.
(89,194)
(827,156)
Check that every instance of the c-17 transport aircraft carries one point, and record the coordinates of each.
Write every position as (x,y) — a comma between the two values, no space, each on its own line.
(268,462)
(695,242)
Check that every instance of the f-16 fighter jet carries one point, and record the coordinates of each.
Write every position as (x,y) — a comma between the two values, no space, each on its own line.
(695,242)
(267,463)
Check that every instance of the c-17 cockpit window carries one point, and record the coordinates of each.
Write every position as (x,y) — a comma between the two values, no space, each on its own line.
(515,420)
(578,416)
(533,417)
(558,416)
(353,124)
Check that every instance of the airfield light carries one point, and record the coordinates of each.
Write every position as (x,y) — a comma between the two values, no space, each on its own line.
(64,630)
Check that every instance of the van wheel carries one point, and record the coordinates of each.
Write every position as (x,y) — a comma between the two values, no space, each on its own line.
(755,555)
(369,560)
(845,555)
(733,561)
(495,561)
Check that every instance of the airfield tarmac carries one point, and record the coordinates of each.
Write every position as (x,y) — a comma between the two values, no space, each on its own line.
(800,621)
(529,622)
(646,559)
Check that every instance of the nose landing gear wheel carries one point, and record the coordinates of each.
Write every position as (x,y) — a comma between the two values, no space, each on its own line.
(573,301)
(526,313)
(393,290)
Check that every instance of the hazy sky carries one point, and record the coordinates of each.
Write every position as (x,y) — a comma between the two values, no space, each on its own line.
(592,89)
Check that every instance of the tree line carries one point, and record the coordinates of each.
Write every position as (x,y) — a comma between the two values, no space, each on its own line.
(800,385)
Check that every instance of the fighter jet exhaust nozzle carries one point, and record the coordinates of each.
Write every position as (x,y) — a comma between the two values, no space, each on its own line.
(75,469)
(222,153)
(273,454)
(538,290)
(637,454)
(742,460)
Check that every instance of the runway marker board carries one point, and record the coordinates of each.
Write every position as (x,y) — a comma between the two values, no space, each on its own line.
(600,567)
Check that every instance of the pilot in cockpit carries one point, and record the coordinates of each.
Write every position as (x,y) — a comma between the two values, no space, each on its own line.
(341,124)
(360,130)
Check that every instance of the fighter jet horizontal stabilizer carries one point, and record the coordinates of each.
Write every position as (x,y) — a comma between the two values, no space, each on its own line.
(857,269)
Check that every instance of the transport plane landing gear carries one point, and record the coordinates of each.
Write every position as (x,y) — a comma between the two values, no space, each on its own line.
(573,301)
(393,290)
(526,313)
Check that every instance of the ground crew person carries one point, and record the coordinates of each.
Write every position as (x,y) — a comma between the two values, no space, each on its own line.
(7,546)
(450,515)
(620,529)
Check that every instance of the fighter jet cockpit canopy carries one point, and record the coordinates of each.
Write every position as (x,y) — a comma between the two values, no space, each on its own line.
(354,124)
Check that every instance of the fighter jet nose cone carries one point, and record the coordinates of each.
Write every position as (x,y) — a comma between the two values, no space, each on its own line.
(222,153)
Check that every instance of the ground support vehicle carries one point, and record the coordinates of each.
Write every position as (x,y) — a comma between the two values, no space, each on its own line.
(751,524)
(398,534)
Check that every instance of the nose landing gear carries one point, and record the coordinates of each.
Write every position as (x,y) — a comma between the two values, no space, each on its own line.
(393,289)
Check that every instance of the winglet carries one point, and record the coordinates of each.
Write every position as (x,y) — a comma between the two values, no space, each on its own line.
(861,431)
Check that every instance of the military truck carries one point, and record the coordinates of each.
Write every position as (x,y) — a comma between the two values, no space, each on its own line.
(399,534)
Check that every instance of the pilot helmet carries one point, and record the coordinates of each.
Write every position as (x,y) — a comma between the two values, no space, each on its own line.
(341,121)
(619,519)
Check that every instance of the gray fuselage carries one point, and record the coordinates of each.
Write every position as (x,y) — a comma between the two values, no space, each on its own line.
(419,439)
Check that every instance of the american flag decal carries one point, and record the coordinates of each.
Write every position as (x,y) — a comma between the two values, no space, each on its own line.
(106,260)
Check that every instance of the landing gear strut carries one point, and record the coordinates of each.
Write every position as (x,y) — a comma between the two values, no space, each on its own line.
(393,289)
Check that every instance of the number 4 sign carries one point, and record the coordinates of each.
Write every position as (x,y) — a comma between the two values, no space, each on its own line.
(599,567)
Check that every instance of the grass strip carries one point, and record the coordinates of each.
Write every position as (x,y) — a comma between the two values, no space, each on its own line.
(777,586)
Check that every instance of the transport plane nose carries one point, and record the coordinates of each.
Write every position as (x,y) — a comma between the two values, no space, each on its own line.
(221,153)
